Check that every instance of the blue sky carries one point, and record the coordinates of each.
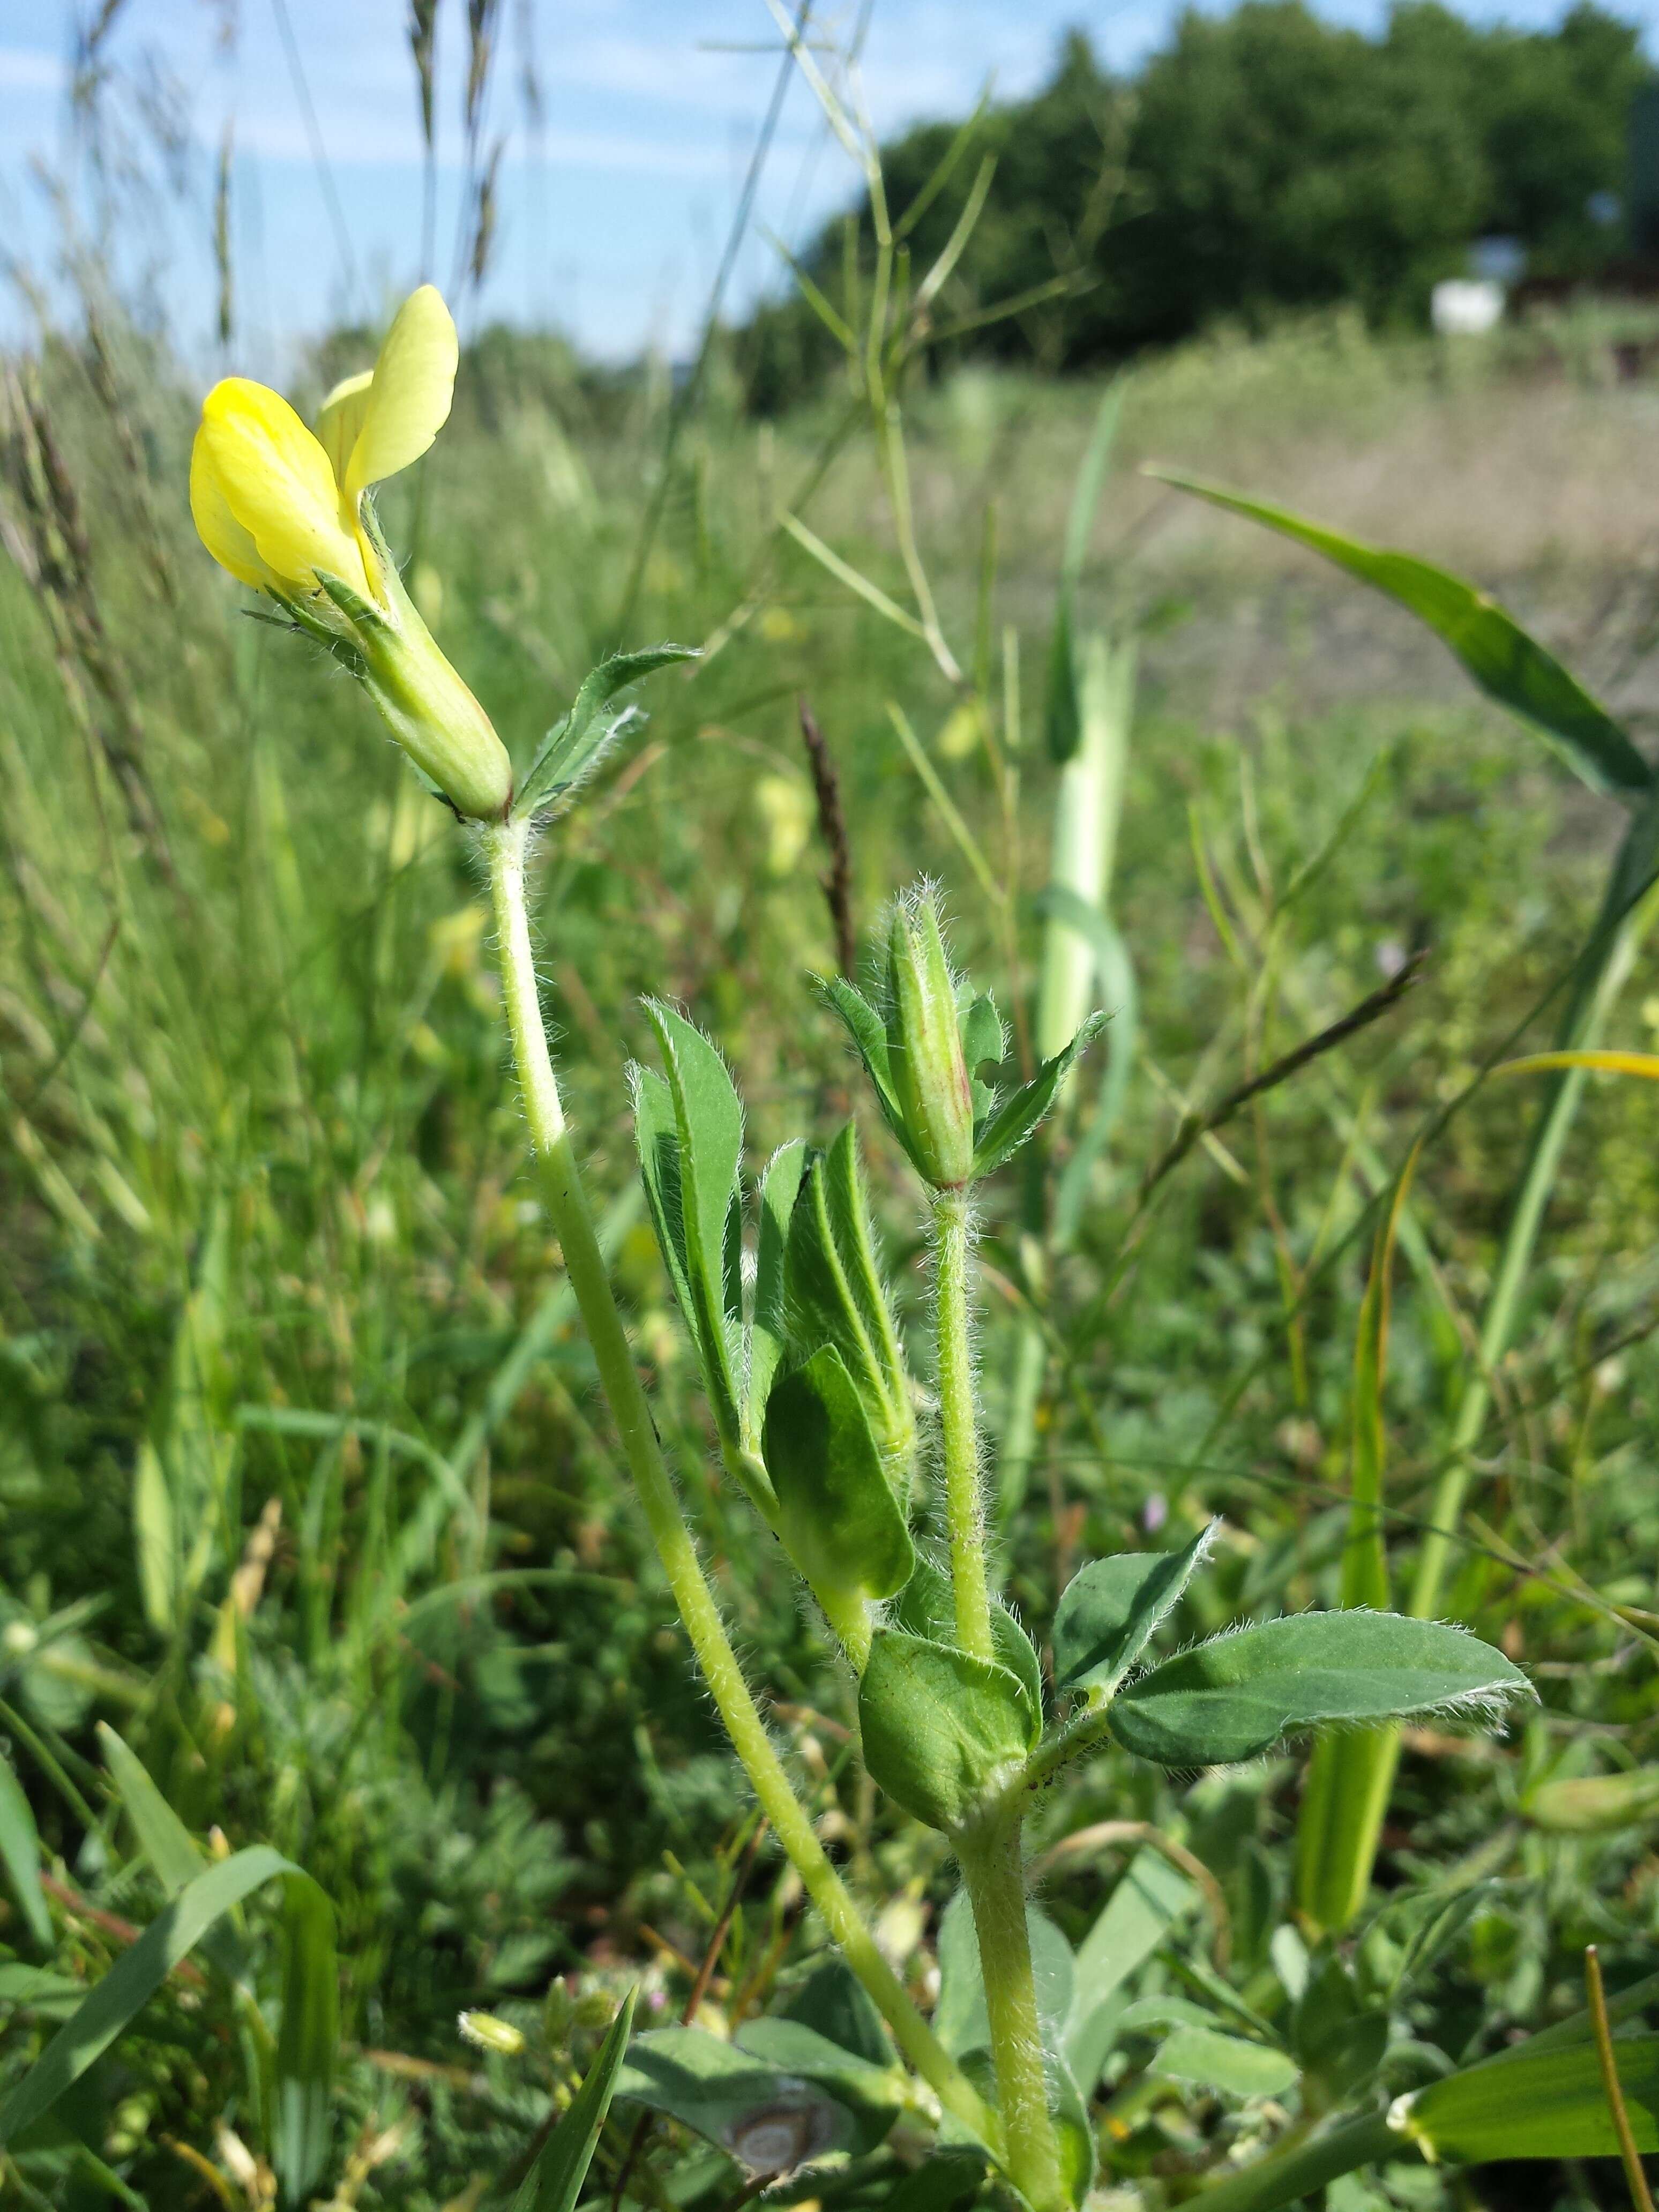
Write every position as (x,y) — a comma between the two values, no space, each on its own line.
(611,233)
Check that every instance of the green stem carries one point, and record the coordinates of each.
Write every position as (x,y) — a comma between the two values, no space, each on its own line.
(963,1510)
(1292,2175)
(590,1282)
(991,1868)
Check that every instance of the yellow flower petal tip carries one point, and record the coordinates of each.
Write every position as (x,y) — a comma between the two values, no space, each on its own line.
(409,394)
(277,483)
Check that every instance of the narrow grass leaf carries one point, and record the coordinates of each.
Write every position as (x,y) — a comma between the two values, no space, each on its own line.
(1537,2103)
(20,1851)
(309,2043)
(116,2001)
(1508,666)
(1147,1902)
(555,2182)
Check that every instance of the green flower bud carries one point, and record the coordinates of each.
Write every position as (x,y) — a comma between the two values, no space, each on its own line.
(927,1066)
(491,2034)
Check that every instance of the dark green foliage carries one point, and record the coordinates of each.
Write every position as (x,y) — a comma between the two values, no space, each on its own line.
(1263,159)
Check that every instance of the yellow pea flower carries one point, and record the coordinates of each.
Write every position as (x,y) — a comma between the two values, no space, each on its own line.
(287,510)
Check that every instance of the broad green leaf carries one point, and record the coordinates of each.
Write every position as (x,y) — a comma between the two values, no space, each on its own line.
(769,2121)
(835,2004)
(960,2020)
(1210,2059)
(769,1333)
(114,2002)
(1016,1118)
(1150,1899)
(1507,663)
(873,2094)
(1111,1608)
(709,1125)
(1537,2103)
(926,1607)
(656,1134)
(939,1728)
(1594,1804)
(20,1851)
(555,2182)
(578,740)
(834,1295)
(1234,1697)
(837,1518)
(308,2043)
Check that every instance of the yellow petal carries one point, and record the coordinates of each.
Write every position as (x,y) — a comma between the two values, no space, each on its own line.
(277,483)
(342,418)
(409,399)
(231,546)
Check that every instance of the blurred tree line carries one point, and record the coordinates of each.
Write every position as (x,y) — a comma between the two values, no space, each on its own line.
(1262,161)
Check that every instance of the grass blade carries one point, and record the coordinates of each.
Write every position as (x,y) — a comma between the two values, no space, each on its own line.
(555,2181)
(114,2002)
(1507,663)
(20,1851)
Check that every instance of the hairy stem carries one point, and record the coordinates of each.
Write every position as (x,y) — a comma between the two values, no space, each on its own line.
(573,1224)
(996,1888)
(963,1510)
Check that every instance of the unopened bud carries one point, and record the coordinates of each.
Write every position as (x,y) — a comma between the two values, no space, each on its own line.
(929,1070)
(491,2034)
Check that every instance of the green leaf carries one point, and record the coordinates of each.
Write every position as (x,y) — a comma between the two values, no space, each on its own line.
(114,2002)
(708,1130)
(960,2020)
(928,1607)
(1211,2060)
(1339,2043)
(769,1333)
(939,1728)
(20,1851)
(174,1857)
(1507,663)
(984,1043)
(838,1518)
(944,2183)
(1594,1804)
(874,2094)
(1111,1608)
(835,2004)
(771,2121)
(308,2043)
(1234,1697)
(1537,2103)
(1148,1899)
(578,740)
(1013,1121)
(869,1034)
(834,1295)
(555,2182)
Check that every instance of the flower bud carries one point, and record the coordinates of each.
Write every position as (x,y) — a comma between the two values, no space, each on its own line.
(929,1068)
(490,2032)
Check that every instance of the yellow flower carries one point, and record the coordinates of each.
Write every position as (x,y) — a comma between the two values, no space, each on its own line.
(286,511)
